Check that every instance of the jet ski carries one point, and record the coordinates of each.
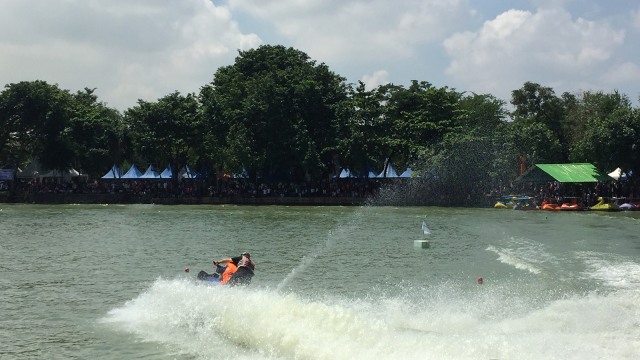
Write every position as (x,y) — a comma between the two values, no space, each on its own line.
(214,277)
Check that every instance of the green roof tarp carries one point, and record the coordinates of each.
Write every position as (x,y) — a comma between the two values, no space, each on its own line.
(564,173)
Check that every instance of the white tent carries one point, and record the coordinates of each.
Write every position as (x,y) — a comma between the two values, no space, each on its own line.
(187,173)
(34,170)
(67,175)
(616,174)
(346,173)
(391,172)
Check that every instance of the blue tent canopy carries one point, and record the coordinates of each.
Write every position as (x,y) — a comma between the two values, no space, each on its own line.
(114,173)
(407,173)
(133,173)
(150,174)
(167,173)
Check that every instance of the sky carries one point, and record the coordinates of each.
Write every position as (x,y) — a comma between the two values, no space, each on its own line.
(146,49)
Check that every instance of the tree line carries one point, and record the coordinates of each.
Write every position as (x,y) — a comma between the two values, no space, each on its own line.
(279,114)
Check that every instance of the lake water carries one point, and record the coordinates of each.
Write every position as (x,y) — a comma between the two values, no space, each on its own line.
(108,282)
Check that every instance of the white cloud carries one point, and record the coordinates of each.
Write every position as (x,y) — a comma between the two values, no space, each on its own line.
(635,18)
(359,31)
(625,73)
(128,50)
(149,48)
(548,47)
(377,78)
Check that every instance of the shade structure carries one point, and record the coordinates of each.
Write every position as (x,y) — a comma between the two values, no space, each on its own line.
(367,172)
(391,172)
(150,174)
(133,173)
(346,173)
(167,173)
(188,173)
(113,173)
(564,173)
(407,173)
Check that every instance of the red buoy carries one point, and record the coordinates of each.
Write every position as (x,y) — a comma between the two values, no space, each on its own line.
(480,280)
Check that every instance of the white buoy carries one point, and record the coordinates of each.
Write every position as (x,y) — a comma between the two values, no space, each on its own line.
(422,244)
(425,229)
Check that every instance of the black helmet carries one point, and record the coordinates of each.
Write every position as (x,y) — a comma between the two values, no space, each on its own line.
(246,254)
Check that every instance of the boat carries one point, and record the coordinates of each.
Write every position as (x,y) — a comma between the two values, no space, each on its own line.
(506,201)
(524,203)
(626,205)
(549,204)
(571,204)
(604,206)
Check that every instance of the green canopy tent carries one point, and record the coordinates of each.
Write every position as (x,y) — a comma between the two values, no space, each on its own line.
(564,173)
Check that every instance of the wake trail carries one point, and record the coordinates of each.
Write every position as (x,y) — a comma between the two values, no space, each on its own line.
(340,234)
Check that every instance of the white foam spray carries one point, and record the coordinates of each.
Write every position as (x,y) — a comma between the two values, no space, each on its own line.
(442,322)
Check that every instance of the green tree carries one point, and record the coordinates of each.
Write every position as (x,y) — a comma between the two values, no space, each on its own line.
(535,141)
(418,116)
(95,132)
(283,106)
(360,121)
(169,131)
(469,160)
(611,135)
(33,118)
(536,104)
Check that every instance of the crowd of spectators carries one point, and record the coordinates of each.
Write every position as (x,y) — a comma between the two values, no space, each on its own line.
(201,188)
(435,194)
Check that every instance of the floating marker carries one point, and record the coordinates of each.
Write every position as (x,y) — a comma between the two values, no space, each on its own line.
(425,229)
(421,244)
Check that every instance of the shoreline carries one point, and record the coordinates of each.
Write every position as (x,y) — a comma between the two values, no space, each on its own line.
(71,198)
(130,198)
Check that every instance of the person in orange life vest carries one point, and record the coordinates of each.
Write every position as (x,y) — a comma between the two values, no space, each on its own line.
(228,272)
(244,273)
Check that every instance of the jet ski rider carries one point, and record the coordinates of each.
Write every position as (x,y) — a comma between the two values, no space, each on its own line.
(244,273)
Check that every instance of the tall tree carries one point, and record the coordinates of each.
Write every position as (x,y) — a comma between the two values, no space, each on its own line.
(360,120)
(96,132)
(283,104)
(536,104)
(33,119)
(471,155)
(418,116)
(169,131)
(611,136)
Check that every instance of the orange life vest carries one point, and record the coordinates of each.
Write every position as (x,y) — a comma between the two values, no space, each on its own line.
(226,275)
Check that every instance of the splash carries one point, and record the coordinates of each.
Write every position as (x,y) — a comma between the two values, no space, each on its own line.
(621,273)
(341,233)
(448,321)
(515,259)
